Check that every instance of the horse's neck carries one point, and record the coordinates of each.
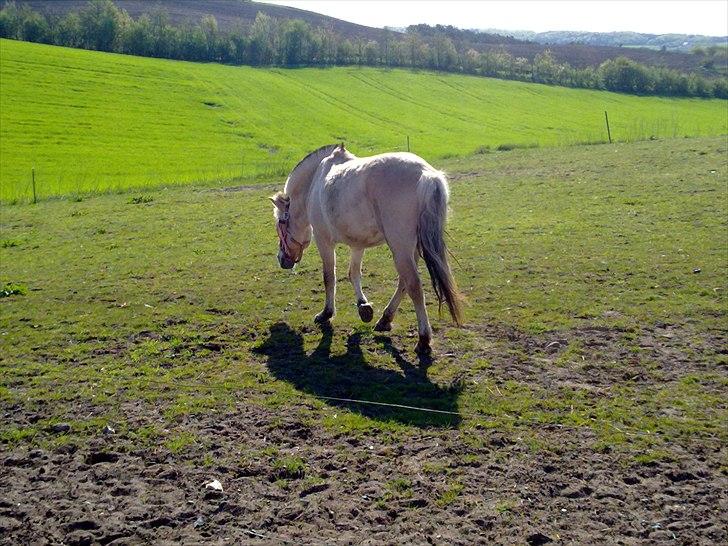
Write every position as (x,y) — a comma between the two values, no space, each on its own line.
(299,183)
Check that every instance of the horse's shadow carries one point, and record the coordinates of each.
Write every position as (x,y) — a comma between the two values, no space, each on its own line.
(349,376)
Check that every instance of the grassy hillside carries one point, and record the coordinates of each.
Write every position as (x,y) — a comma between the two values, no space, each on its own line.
(587,389)
(89,121)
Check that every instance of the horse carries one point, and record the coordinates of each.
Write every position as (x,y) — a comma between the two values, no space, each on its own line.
(335,197)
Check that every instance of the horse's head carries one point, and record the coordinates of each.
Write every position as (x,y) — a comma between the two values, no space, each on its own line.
(292,238)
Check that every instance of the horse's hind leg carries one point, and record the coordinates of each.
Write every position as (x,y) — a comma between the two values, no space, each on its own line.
(407,268)
(328,258)
(384,324)
(366,313)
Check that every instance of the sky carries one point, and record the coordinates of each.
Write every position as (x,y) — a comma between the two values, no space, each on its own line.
(709,17)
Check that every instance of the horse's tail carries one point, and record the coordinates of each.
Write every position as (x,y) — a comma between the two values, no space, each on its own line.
(433,197)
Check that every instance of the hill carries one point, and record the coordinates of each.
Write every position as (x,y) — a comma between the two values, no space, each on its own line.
(575,52)
(90,121)
(229,13)
(672,42)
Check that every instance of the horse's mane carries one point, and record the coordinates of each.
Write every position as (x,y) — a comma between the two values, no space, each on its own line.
(316,151)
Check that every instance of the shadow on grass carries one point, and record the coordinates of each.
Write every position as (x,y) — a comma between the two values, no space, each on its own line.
(350,376)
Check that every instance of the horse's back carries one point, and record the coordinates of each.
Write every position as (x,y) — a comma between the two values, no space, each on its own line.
(363,198)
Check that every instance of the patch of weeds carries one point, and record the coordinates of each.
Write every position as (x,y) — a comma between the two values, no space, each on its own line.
(480,150)
(15,435)
(61,440)
(450,494)
(312,481)
(208,460)
(652,457)
(507,146)
(270,451)
(537,328)
(601,446)
(481,364)
(434,468)
(349,423)
(505,506)
(13,289)
(140,200)
(9,243)
(400,487)
(573,353)
(179,442)
(190,404)
(289,468)
(471,459)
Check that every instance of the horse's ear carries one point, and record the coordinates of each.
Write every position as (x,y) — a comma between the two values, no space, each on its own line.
(341,146)
(280,200)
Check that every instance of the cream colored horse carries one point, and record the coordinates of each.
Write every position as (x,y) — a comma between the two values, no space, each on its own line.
(397,198)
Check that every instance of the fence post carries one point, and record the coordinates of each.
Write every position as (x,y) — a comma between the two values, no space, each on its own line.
(408,148)
(609,134)
(32,172)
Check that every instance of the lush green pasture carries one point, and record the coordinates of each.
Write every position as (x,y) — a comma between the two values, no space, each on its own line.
(89,121)
(554,245)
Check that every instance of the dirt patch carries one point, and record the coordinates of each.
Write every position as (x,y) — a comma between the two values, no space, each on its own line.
(289,478)
(505,492)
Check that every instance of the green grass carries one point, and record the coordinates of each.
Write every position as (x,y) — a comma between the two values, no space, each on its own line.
(178,305)
(94,122)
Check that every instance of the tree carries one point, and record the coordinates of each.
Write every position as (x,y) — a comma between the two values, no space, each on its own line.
(444,56)
(262,46)
(294,42)
(100,23)
(625,75)
(10,21)
(68,31)
(371,53)
(545,68)
(34,27)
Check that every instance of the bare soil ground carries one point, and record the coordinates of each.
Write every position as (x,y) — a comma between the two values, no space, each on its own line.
(439,484)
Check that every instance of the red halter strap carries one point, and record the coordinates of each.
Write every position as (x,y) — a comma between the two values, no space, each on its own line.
(282,229)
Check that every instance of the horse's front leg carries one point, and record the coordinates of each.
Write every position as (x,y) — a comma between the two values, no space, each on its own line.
(366,313)
(328,258)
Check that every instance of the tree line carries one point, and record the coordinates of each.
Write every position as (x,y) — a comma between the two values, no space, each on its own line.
(102,26)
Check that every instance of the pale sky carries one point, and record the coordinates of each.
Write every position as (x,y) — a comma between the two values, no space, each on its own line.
(709,17)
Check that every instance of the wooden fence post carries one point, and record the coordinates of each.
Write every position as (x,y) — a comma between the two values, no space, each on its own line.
(609,134)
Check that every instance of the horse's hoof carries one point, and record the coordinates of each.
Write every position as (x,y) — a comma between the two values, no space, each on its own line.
(323,317)
(383,325)
(366,313)
(423,346)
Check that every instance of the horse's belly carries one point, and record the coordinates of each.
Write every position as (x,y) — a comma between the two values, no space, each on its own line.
(360,231)
(352,219)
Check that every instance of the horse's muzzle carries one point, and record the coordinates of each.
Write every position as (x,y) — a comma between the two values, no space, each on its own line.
(284,261)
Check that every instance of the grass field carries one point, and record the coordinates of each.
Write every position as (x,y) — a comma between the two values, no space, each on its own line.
(91,122)
(587,389)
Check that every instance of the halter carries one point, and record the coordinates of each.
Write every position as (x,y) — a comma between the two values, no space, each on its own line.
(282,229)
